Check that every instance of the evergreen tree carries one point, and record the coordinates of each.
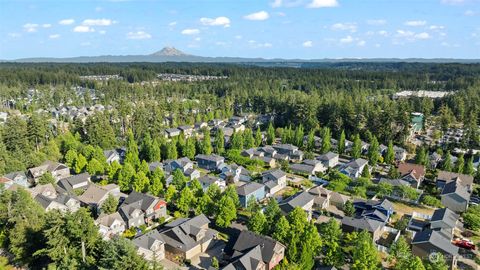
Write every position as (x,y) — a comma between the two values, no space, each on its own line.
(47,178)
(237,141)
(326,141)
(357,147)
(109,206)
(460,165)
(141,182)
(185,200)
(156,179)
(171,151)
(189,149)
(332,250)
(281,230)
(447,162)
(390,155)
(341,143)
(270,134)
(258,137)
(421,157)
(469,169)
(310,141)
(131,155)
(125,178)
(94,167)
(298,136)
(206,143)
(249,141)
(155,154)
(373,152)
(226,212)
(70,157)
(219,141)
(349,209)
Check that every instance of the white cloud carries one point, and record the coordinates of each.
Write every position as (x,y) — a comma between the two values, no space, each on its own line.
(98,9)
(361,43)
(220,43)
(102,32)
(403,33)
(190,31)
(172,24)
(423,35)
(66,21)
(30,27)
(14,35)
(85,43)
(453,2)
(469,13)
(83,29)
(276,3)
(219,21)
(255,44)
(376,22)
(323,4)
(266,45)
(197,39)
(98,22)
(238,37)
(382,33)
(415,23)
(307,44)
(138,35)
(46,25)
(346,40)
(257,16)
(54,36)
(436,27)
(352,27)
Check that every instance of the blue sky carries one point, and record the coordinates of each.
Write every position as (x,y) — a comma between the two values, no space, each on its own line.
(308,29)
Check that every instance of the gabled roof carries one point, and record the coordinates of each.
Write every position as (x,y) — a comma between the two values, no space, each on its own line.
(140,200)
(249,188)
(328,156)
(275,173)
(436,239)
(319,190)
(14,175)
(303,168)
(357,163)
(108,220)
(147,240)
(247,261)
(209,179)
(416,170)
(445,215)
(451,176)
(298,200)
(95,193)
(362,223)
(212,157)
(68,182)
(248,240)
(456,188)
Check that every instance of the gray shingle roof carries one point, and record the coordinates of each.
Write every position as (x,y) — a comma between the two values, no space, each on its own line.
(457,188)
(436,239)
(249,188)
(276,173)
(446,215)
(327,156)
(362,223)
(298,200)
(451,176)
(147,240)
(248,240)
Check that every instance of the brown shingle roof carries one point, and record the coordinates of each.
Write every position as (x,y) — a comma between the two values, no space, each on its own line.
(418,171)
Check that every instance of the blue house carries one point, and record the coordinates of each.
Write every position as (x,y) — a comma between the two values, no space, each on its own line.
(376,210)
(248,190)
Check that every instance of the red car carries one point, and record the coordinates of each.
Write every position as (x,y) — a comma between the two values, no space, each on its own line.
(464,244)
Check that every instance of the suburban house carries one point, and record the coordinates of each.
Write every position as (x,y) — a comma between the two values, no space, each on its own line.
(358,224)
(71,183)
(187,237)
(445,177)
(186,130)
(150,246)
(209,162)
(376,210)
(58,170)
(200,125)
(289,150)
(354,168)
(47,190)
(455,196)
(308,167)
(207,180)
(445,221)
(112,155)
(412,173)
(95,195)
(110,225)
(258,153)
(321,197)
(434,160)
(338,200)
(172,132)
(248,248)
(274,180)
(302,199)
(400,153)
(60,202)
(139,208)
(426,242)
(251,189)
(329,160)
(183,164)
(233,173)
(154,165)
(18,178)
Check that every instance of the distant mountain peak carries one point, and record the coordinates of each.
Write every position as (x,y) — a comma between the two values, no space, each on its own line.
(169,51)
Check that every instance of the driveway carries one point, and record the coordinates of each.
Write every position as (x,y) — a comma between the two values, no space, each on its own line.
(204,260)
